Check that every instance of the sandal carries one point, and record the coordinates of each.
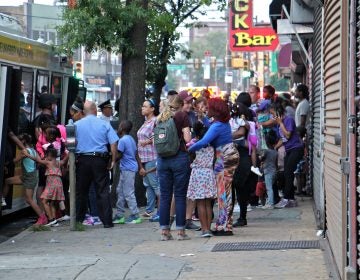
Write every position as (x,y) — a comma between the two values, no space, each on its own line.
(182,236)
(166,237)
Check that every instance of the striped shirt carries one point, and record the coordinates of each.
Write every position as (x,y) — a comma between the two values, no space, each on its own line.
(146,132)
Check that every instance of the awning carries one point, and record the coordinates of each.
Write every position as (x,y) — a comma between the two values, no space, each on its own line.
(285,56)
(275,11)
(284,27)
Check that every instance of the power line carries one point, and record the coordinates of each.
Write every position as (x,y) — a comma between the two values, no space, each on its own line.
(58,18)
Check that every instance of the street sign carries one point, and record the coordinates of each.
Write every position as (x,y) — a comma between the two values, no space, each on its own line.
(174,67)
(228,77)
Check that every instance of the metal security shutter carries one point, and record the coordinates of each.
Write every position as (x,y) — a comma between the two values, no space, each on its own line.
(316,145)
(332,153)
(358,128)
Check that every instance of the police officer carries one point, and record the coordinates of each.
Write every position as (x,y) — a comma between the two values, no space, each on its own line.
(106,111)
(93,135)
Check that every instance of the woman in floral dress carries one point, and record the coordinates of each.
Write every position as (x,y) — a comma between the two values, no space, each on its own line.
(202,185)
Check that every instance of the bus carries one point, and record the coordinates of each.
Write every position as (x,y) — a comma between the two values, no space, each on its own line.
(27,69)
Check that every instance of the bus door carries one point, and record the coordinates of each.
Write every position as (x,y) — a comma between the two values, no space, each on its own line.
(75,89)
(10,98)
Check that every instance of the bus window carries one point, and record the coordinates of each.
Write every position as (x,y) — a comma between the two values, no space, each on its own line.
(42,83)
(56,85)
(25,102)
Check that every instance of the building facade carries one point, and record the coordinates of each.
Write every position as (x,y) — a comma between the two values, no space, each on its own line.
(325,35)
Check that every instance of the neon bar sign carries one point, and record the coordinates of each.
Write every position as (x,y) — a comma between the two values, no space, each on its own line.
(243,36)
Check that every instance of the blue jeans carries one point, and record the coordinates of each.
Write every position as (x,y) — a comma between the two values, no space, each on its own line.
(174,175)
(269,180)
(151,183)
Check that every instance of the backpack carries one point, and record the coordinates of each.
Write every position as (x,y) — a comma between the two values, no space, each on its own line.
(166,139)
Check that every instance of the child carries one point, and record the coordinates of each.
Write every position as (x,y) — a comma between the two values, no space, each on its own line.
(202,184)
(28,179)
(52,139)
(263,115)
(129,163)
(242,117)
(53,192)
(269,159)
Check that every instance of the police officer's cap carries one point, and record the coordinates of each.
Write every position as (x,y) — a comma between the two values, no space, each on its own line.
(46,100)
(105,104)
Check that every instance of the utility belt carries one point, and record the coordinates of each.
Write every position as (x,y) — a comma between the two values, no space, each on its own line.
(94,154)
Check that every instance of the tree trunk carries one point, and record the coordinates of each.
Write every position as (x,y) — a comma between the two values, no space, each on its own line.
(161,76)
(133,85)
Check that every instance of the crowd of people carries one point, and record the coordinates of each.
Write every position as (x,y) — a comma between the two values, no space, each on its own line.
(191,153)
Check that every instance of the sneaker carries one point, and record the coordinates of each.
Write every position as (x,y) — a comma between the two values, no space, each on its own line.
(119,220)
(56,224)
(282,203)
(292,203)
(190,225)
(133,219)
(97,221)
(154,218)
(268,207)
(89,221)
(51,223)
(64,218)
(42,220)
(249,208)
(256,170)
(147,214)
(206,234)
(3,202)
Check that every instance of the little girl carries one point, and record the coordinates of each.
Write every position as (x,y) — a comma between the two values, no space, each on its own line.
(202,184)
(52,139)
(29,177)
(53,192)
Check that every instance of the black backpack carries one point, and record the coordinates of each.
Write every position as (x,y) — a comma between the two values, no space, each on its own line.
(166,139)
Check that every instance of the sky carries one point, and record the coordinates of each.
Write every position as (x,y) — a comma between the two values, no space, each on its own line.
(20,2)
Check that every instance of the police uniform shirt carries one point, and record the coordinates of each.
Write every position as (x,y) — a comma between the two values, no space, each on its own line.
(93,135)
(105,118)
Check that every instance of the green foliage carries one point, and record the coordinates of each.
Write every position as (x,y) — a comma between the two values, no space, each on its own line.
(105,24)
(280,84)
(100,24)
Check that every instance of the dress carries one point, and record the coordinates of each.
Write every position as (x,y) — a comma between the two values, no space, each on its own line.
(54,187)
(202,180)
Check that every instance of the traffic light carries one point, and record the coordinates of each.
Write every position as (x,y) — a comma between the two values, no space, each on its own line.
(197,63)
(78,71)
(246,65)
(213,62)
(237,62)
(266,59)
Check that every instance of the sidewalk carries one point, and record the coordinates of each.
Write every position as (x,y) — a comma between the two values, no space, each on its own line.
(135,252)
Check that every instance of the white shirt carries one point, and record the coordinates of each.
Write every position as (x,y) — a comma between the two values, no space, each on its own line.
(303,109)
(235,124)
(105,118)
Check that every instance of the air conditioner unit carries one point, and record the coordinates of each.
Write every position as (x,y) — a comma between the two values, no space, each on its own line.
(301,13)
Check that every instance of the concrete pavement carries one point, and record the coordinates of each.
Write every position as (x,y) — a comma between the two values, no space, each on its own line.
(135,252)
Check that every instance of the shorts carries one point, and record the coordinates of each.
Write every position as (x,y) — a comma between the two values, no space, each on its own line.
(30,179)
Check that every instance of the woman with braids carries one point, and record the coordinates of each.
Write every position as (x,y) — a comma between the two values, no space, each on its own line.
(227,158)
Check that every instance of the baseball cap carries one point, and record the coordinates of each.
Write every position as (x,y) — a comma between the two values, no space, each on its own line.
(185,96)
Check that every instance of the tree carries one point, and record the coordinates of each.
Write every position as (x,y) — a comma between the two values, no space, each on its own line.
(117,26)
(162,39)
